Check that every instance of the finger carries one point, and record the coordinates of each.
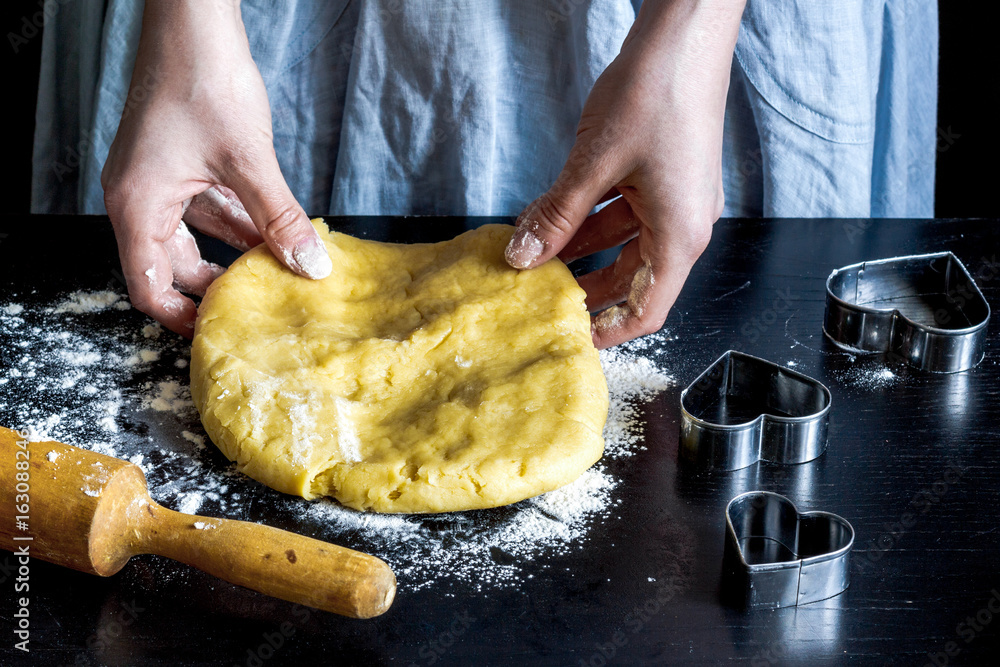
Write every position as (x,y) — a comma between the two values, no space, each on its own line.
(218,212)
(549,222)
(611,226)
(610,285)
(643,312)
(654,287)
(279,218)
(191,273)
(147,269)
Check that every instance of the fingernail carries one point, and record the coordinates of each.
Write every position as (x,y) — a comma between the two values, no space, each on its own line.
(524,248)
(311,256)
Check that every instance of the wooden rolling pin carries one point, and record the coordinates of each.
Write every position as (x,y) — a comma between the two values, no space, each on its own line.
(93,512)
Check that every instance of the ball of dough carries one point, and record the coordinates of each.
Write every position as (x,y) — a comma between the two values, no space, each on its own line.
(415,378)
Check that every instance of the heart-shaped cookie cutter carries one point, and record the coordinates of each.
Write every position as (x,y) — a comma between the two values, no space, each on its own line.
(926,309)
(776,556)
(744,409)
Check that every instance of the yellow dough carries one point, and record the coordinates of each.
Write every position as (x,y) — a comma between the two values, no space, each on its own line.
(415,378)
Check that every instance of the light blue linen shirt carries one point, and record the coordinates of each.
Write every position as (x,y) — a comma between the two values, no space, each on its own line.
(437,107)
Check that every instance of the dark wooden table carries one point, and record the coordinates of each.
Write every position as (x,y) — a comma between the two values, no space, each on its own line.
(912,464)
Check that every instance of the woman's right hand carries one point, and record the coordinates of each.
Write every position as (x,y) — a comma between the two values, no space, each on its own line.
(195,143)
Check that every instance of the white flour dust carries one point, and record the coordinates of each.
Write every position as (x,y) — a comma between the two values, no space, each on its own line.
(87,302)
(868,377)
(632,379)
(81,372)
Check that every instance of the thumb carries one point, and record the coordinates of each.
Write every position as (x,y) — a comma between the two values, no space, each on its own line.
(279,218)
(548,223)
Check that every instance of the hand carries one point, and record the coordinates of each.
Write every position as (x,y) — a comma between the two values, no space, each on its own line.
(195,142)
(651,131)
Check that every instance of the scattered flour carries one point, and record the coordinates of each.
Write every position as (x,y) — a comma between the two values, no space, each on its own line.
(144,356)
(84,356)
(169,396)
(631,379)
(303,424)
(868,377)
(69,380)
(347,434)
(190,502)
(88,302)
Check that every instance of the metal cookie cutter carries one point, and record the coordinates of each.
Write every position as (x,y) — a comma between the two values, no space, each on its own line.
(925,308)
(743,409)
(776,556)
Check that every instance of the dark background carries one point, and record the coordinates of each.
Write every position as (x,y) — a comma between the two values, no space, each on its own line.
(967,106)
